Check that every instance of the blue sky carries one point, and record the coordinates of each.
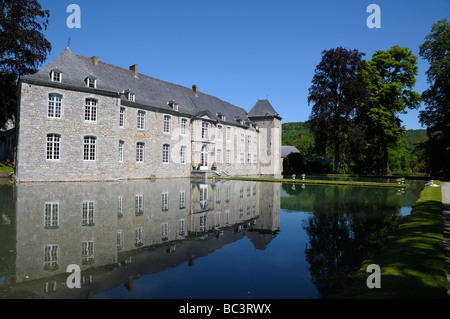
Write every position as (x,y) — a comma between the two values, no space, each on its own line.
(242,50)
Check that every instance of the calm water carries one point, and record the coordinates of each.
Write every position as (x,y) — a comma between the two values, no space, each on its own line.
(190,239)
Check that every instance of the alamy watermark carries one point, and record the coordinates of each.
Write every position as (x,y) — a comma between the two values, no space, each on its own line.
(374,280)
(74,19)
(374,20)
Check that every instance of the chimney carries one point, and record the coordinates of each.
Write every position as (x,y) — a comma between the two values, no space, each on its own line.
(95,60)
(134,68)
(195,89)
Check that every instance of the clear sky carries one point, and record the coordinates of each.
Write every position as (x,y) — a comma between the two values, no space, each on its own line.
(242,50)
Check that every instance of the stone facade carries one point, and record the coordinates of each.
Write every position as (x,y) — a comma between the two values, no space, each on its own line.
(98,135)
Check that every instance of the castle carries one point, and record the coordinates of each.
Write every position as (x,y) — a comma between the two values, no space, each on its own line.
(81,119)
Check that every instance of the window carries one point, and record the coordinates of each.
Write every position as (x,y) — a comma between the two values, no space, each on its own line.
(219,156)
(164,231)
(121,144)
(90,145)
(88,210)
(51,257)
(183,155)
(242,139)
(119,207)
(130,96)
(139,205)
(91,82)
(205,130)
(90,110)
(228,157)
(249,158)
(228,133)
(87,252)
(51,219)
(219,132)
(141,120)
(53,146)
(242,158)
(122,117)
(55,76)
(254,159)
(164,201)
(182,199)
(182,227)
(165,154)
(166,124)
(138,236)
(54,106)
(119,240)
(183,126)
(140,152)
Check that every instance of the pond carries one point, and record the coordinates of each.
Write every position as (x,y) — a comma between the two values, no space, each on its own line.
(194,239)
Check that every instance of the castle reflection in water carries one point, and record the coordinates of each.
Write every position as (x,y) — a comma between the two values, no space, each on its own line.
(118,231)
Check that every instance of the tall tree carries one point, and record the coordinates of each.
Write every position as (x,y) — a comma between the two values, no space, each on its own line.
(336,92)
(436,116)
(22,48)
(389,77)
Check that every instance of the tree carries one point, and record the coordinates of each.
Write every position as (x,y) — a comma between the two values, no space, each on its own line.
(389,77)
(436,116)
(22,48)
(336,92)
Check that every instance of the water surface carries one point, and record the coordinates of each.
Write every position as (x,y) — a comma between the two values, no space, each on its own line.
(165,239)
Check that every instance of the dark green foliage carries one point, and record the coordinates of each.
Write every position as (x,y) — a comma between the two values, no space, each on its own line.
(436,116)
(22,48)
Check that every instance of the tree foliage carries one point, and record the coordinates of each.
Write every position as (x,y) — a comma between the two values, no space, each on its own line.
(436,116)
(22,48)
(389,77)
(336,92)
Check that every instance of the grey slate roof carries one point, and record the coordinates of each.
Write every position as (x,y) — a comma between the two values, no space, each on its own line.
(262,108)
(288,149)
(148,91)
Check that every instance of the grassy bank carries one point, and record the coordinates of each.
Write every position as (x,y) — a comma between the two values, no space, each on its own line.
(314,182)
(413,262)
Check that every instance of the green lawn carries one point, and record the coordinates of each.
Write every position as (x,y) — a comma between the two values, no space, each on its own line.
(413,262)
(6,169)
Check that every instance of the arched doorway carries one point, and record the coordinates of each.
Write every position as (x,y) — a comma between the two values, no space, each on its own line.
(204,157)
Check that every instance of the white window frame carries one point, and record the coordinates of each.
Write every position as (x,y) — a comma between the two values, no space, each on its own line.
(122,117)
(90,110)
(141,119)
(228,157)
(219,156)
(166,154)
(139,205)
(182,200)
(140,152)
(228,133)
(121,151)
(54,107)
(219,132)
(88,213)
(167,124)
(51,214)
(205,130)
(183,152)
(90,148)
(184,125)
(56,76)
(165,201)
(53,147)
(91,82)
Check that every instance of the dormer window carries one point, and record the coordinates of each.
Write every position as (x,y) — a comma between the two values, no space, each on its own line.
(130,96)
(173,105)
(91,82)
(238,119)
(56,76)
(221,116)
